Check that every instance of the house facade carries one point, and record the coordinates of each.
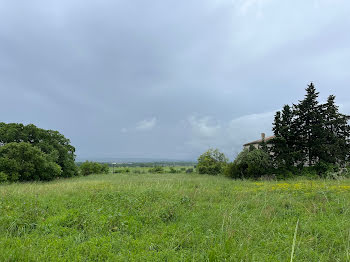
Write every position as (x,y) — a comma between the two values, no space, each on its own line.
(258,142)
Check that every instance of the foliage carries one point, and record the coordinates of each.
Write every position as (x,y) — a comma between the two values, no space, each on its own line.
(310,134)
(189,170)
(25,162)
(156,169)
(172,170)
(88,168)
(249,164)
(49,142)
(3,177)
(212,162)
(104,168)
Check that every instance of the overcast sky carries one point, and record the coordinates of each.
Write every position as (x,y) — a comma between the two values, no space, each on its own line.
(167,78)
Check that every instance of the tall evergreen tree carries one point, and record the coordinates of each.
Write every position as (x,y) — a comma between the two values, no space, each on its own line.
(336,133)
(282,146)
(310,133)
(308,127)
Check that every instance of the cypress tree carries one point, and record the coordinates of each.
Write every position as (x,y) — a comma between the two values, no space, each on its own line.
(310,133)
(277,141)
(308,127)
(336,133)
(282,145)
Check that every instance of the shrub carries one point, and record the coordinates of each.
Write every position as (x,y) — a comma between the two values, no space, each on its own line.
(211,162)
(118,171)
(172,170)
(88,168)
(156,169)
(322,168)
(105,168)
(309,172)
(25,162)
(249,164)
(189,170)
(284,173)
(231,170)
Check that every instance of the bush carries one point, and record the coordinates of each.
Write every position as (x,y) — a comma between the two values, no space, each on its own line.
(322,168)
(105,168)
(284,173)
(189,170)
(211,162)
(231,170)
(172,170)
(117,171)
(156,169)
(249,164)
(25,162)
(88,168)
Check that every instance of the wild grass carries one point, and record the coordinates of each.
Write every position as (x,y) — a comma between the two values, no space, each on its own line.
(174,217)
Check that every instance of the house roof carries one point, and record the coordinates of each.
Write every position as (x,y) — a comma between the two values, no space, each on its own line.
(259,141)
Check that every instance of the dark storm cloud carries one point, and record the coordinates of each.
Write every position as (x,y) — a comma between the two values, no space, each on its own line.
(166,78)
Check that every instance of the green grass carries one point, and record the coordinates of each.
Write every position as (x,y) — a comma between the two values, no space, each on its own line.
(174,217)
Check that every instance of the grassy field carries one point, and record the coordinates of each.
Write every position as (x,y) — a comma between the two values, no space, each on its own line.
(174,217)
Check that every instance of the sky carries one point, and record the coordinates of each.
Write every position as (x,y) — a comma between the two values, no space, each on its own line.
(167,79)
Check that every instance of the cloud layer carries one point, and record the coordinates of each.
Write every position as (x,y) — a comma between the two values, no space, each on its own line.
(167,79)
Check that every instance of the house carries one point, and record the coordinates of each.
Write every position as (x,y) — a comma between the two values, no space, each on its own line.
(256,143)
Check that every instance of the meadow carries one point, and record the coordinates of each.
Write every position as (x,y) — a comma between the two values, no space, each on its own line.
(174,217)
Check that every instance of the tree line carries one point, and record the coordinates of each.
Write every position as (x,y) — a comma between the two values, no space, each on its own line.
(310,138)
(310,133)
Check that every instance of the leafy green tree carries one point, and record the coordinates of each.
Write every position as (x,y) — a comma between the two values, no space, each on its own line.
(50,142)
(249,164)
(25,162)
(212,162)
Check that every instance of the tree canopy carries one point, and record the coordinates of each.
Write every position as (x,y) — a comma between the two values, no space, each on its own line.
(212,162)
(309,133)
(25,162)
(49,144)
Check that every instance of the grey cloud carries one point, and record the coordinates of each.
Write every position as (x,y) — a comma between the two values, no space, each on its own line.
(95,69)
